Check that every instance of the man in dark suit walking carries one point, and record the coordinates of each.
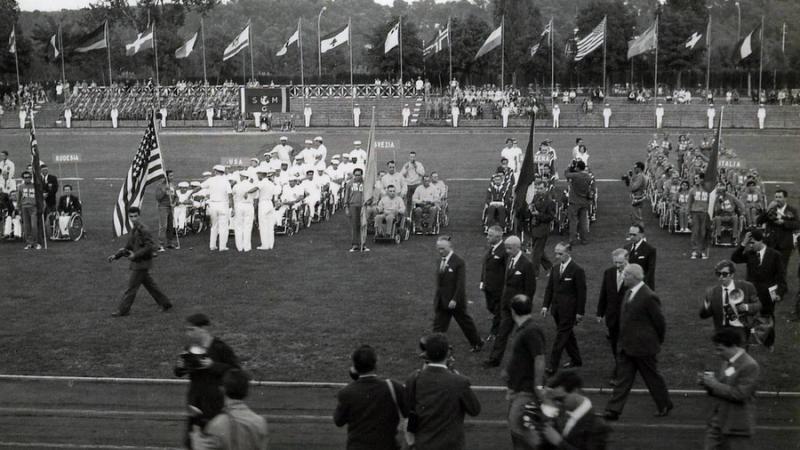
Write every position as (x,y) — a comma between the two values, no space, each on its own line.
(543,212)
(565,300)
(641,332)
(450,301)
(369,407)
(438,399)
(519,279)
(493,276)
(50,186)
(139,250)
(732,391)
(722,305)
(580,198)
(642,253)
(608,305)
(781,221)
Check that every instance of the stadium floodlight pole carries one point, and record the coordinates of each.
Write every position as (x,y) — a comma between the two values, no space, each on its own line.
(250,44)
(108,51)
(319,46)
(760,57)
(203,38)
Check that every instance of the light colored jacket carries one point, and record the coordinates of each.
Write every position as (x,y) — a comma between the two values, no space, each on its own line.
(237,427)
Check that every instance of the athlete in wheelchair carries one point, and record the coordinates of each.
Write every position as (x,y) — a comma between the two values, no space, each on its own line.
(427,207)
(727,218)
(182,208)
(66,223)
(391,222)
(291,200)
(10,220)
(498,204)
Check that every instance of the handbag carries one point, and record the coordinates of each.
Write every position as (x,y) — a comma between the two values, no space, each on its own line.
(402,436)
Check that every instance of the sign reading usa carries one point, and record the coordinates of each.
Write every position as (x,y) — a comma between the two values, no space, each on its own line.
(264,100)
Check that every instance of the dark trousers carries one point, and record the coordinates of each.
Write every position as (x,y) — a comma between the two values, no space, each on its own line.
(503,332)
(166,226)
(493,306)
(627,366)
(578,221)
(786,255)
(441,322)
(355,225)
(409,194)
(565,340)
(495,215)
(138,278)
(613,338)
(538,256)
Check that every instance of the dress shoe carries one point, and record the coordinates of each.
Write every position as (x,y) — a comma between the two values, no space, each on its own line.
(118,314)
(663,412)
(571,365)
(611,416)
(489,363)
(477,348)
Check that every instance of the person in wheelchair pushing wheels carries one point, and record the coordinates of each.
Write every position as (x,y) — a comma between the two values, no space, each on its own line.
(426,203)
(498,197)
(391,209)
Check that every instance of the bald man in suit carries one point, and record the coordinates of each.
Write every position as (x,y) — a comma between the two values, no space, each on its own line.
(565,300)
(450,300)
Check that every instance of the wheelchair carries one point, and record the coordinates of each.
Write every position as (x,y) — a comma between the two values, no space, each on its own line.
(429,221)
(64,227)
(289,223)
(327,206)
(399,230)
(561,224)
(197,220)
(727,235)
(506,224)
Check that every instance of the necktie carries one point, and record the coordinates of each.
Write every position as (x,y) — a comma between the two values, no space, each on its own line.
(725,301)
(760,258)
(443,265)
(619,280)
(511,264)
(561,269)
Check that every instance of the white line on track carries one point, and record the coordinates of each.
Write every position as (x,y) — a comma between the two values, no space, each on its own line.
(62,445)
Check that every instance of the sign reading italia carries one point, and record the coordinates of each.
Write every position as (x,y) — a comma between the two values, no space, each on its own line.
(264,100)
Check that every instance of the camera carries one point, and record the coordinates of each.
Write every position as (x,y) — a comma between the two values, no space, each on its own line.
(192,358)
(627,178)
(536,416)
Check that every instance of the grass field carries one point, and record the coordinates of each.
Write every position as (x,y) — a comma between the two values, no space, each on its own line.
(297,312)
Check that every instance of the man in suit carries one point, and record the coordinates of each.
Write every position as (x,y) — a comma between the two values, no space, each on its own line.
(641,332)
(50,188)
(608,305)
(369,408)
(720,303)
(139,250)
(580,197)
(565,300)
(519,279)
(781,221)
(68,203)
(543,212)
(493,276)
(450,301)
(438,399)
(732,391)
(642,253)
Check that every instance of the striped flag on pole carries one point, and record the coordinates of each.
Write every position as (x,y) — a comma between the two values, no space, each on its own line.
(240,43)
(370,175)
(592,41)
(146,168)
(38,186)
(12,40)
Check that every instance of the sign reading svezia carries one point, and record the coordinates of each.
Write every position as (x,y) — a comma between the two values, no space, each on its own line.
(264,100)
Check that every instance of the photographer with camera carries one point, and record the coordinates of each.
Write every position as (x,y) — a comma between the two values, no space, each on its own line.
(205,360)
(371,407)
(566,419)
(732,303)
(437,399)
(580,198)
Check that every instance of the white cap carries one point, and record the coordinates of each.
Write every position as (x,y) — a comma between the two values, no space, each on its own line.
(183,184)
(207,174)
(254,159)
(345,155)
(356,142)
(284,138)
(318,138)
(242,173)
(194,184)
(219,168)
(336,156)
(308,141)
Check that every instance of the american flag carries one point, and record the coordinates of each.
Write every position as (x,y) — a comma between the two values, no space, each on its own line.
(591,41)
(147,168)
(38,185)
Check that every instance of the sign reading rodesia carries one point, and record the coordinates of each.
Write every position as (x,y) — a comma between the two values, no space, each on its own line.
(65,158)
(264,100)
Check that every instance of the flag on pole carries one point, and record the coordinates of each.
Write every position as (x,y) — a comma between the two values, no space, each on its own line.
(145,169)
(54,45)
(392,39)
(437,43)
(526,172)
(143,41)
(712,172)
(745,47)
(592,41)
(492,42)
(542,38)
(96,40)
(370,176)
(783,38)
(186,49)
(295,37)
(38,186)
(12,41)
(693,40)
(335,39)
(644,43)
(241,42)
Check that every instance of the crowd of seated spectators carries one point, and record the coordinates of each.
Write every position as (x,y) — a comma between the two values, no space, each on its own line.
(13,96)
(486,102)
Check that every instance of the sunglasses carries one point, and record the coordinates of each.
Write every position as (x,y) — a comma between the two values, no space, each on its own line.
(723,274)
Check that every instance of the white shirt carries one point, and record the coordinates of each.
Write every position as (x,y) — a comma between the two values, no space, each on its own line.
(240,192)
(7,165)
(635,289)
(360,155)
(761,254)
(606,112)
(444,260)
(514,259)
(307,155)
(511,155)
(283,152)
(267,190)
(322,151)
(218,188)
(336,173)
(564,265)
(310,188)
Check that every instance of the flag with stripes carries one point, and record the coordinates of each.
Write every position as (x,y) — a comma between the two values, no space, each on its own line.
(437,44)
(96,40)
(186,49)
(392,39)
(646,42)
(370,196)
(38,186)
(143,41)
(295,37)
(146,168)
(593,40)
(241,42)
(12,40)
(542,38)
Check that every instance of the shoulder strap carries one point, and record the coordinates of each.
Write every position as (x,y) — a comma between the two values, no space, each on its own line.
(394,398)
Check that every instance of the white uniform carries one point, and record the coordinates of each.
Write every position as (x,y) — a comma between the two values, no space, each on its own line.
(356,116)
(210,117)
(282,152)
(336,175)
(406,114)
(289,195)
(512,154)
(243,219)
(307,115)
(114,117)
(308,156)
(762,114)
(68,117)
(163,112)
(504,112)
(556,115)
(267,191)
(710,113)
(606,116)
(455,112)
(179,212)
(322,151)
(22,115)
(312,193)
(360,155)
(659,116)
(257,119)
(218,189)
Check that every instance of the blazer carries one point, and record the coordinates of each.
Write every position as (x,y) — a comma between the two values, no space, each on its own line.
(74,204)
(50,186)
(645,256)
(439,399)
(450,284)
(610,301)
(763,274)
(733,401)
(546,206)
(493,270)
(141,245)
(367,408)
(779,236)
(714,299)
(519,279)
(565,295)
(641,326)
